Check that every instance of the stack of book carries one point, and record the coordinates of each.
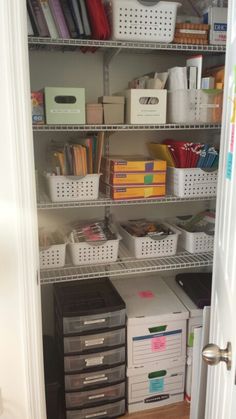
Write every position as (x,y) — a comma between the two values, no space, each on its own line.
(135,177)
(191,33)
(67,19)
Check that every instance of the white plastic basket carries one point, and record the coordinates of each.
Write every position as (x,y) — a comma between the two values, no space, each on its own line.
(195,106)
(52,256)
(137,20)
(147,247)
(190,183)
(196,242)
(73,188)
(93,253)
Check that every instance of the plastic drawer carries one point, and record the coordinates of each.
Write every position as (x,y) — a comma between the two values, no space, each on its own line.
(111,410)
(97,321)
(84,343)
(99,359)
(94,379)
(93,397)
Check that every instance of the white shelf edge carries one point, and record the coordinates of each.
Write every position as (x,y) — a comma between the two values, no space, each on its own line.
(107,202)
(127,266)
(131,45)
(125,127)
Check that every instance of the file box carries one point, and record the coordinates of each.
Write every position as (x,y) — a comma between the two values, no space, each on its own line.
(64,105)
(146,106)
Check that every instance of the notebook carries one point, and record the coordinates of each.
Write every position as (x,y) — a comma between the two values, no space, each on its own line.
(197,286)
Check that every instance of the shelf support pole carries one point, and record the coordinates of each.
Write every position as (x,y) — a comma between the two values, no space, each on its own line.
(108,57)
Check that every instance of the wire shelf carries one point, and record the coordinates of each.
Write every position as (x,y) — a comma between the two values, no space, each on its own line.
(46,204)
(152,46)
(96,128)
(127,265)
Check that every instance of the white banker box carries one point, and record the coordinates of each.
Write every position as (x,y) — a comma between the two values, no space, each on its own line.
(156,324)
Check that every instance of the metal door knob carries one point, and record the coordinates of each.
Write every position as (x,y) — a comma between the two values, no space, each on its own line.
(213,355)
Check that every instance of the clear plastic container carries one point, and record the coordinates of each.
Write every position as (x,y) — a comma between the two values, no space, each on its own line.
(91,397)
(76,344)
(111,410)
(96,360)
(83,324)
(94,379)
(195,106)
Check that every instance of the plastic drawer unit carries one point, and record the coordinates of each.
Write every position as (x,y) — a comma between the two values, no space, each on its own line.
(87,306)
(95,379)
(111,410)
(92,397)
(102,340)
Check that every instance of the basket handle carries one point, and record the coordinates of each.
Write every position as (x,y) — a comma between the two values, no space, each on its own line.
(151,3)
(209,169)
(156,237)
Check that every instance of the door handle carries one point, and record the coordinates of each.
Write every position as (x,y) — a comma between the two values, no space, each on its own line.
(213,355)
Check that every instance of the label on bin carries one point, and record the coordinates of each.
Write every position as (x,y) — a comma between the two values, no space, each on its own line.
(156,385)
(158,344)
(94,361)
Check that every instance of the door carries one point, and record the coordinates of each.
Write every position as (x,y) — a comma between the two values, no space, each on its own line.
(221,388)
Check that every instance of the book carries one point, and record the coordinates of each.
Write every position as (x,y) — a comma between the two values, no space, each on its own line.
(84,15)
(77,17)
(66,8)
(39,17)
(59,18)
(49,19)
(29,26)
(196,61)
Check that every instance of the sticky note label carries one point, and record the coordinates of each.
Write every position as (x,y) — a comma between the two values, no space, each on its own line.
(148,179)
(158,344)
(229,165)
(232,138)
(148,192)
(156,386)
(146,294)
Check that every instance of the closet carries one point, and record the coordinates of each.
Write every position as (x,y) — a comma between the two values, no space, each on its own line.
(107,69)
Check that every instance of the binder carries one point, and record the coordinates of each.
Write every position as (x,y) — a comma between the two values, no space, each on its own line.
(33,19)
(84,16)
(57,13)
(29,26)
(49,19)
(39,17)
(77,17)
(98,19)
(65,4)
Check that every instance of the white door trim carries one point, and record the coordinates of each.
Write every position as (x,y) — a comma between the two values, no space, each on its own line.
(21,361)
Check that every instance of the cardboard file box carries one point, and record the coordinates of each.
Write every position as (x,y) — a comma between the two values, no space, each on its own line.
(155,388)
(113,107)
(65,105)
(146,106)
(133,191)
(156,324)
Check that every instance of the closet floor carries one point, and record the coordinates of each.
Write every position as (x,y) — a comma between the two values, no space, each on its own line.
(174,411)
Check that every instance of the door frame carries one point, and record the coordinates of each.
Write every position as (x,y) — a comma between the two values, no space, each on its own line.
(21,361)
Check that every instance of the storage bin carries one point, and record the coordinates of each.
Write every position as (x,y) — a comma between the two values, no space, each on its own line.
(98,359)
(95,379)
(94,113)
(145,106)
(132,192)
(113,109)
(133,20)
(79,344)
(198,242)
(72,188)
(195,106)
(64,105)
(91,397)
(111,410)
(52,256)
(188,183)
(149,247)
(154,388)
(79,324)
(94,252)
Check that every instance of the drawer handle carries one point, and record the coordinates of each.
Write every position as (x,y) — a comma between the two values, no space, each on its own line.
(94,361)
(88,322)
(95,380)
(97,396)
(94,342)
(94,415)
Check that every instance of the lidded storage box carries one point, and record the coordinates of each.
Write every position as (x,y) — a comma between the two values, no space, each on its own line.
(64,105)
(136,20)
(156,324)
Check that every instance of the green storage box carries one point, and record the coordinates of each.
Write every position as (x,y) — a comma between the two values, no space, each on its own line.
(64,105)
